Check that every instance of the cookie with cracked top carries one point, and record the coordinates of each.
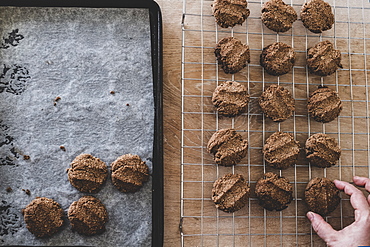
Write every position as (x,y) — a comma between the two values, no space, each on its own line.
(277,58)
(229,13)
(317,16)
(323,59)
(324,105)
(278,16)
(322,150)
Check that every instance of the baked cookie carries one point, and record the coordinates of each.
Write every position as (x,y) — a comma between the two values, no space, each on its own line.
(322,150)
(278,16)
(281,150)
(230,98)
(228,13)
(274,192)
(323,59)
(317,16)
(232,55)
(87,173)
(277,103)
(324,105)
(129,173)
(277,58)
(88,216)
(228,147)
(321,196)
(43,217)
(230,192)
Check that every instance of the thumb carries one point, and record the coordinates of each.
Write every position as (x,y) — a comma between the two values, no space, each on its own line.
(321,227)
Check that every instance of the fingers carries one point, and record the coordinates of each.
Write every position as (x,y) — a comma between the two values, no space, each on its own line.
(358,200)
(321,227)
(364,182)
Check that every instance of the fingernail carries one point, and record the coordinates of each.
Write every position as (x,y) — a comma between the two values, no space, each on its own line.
(310,216)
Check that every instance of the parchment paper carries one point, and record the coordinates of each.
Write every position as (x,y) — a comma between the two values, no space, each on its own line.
(80,55)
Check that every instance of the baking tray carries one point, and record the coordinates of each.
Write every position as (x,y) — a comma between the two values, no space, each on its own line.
(201,224)
(100,93)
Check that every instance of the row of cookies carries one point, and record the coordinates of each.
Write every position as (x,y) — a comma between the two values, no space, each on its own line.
(88,216)
(231,193)
(316,15)
(277,58)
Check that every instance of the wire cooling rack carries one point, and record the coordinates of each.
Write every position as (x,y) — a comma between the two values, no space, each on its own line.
(201,223)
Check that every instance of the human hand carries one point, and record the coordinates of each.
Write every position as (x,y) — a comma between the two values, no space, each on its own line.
(356,234)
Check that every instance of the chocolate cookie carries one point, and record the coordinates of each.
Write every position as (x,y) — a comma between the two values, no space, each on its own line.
(321,196)
(324,105)
(277,103)
(232,55)
(87,173)
(277,58)
(230,192)
(129,173)
(274,192)
(43,217)
(278,16)
(228,13)
(322,150)
(281,150)
(228,147)
(323,59)
(317,16)
(230,98)
(88,216)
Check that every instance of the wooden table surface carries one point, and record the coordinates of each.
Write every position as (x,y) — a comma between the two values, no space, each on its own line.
(171,14)
(172,41)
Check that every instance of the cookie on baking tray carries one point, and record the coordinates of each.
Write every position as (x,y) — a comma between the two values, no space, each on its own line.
(87,173)
(228,147)
(88,216)
(43,217)
(232,55)
(230,98)
(129,173)
(230,192)
(229,13)
(278,16)
(317,16)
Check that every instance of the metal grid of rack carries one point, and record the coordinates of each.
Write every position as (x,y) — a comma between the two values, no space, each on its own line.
(201,223)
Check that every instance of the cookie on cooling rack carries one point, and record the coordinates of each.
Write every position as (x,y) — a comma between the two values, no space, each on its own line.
(281,150)
(43,217)
(230,98)
(317,16)
(277,58)
(232,55)
(278,16)
(228,147)
(324,105)
(323,59)
(322,150)
(322,196)
(277,103)
(274,192)
(229,13)
(230,192)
